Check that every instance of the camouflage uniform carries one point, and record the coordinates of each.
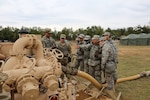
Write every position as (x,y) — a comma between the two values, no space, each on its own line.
(87,40)
(48,42)
(113,45)
(66,50)
(94,60)
(108,64)
(79,55)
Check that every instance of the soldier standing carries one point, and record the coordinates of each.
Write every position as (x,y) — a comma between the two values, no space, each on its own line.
(107,35)
(65,48)
(87,41)
(94,59)
(79,62)
(108,64)
(47,40)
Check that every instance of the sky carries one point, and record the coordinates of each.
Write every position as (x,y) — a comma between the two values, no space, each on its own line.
(57,14)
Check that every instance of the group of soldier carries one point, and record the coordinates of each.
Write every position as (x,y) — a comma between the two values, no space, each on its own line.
(63,45)
(96,56)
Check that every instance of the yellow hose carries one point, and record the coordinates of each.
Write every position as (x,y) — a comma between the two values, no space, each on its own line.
(90,78)
(128,78)
(98,85)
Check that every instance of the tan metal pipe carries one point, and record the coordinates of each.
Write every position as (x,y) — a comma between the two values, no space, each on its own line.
(14,63)
(38,50)
(2,57)
(37,72)
(18,52)
(22,43)
(30,41)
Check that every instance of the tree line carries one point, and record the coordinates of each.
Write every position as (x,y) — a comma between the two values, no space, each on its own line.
(11,33)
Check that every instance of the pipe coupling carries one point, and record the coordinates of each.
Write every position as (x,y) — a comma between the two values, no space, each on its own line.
(50,81)
(28,86)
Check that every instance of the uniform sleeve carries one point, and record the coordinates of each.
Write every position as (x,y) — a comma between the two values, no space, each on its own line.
(57,45)
(69,49)
(105,54)
(85,46)
(53,43)
(43,42)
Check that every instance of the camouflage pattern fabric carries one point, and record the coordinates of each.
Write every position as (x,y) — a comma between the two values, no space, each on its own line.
(109,81)
(65,48)
(79,62)
(94,62)
(108,64)
(113,45)
(79,52)
(94,58)
(48,42)
(86,57)
(95,71)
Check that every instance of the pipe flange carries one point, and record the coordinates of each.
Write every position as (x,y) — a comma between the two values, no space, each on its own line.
(46,75)
(24,79)
(50,81)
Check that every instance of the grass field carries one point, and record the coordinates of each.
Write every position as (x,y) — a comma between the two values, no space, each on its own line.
(133,60)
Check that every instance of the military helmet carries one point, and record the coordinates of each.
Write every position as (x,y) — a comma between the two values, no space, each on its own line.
(102,39)
(47,30)
(106,34)
(87,37)
(81,36)
(62,36)
(95,37)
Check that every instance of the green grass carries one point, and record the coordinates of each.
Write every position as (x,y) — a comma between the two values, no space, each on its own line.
(134,60)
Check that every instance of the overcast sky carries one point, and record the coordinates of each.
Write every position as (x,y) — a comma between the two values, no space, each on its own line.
(57,14)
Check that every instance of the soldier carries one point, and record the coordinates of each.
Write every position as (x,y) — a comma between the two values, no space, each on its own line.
(79,54)
(108,65)
(87,41)
(65,47)
(47,40)
(94,59)
(107,35)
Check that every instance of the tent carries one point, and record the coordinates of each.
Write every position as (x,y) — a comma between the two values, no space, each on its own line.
(129,40)
(136,39)
(132,39)
(142,39)
(148,36)
(124,41)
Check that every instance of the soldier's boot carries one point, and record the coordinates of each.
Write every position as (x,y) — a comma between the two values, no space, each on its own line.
(111,93)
